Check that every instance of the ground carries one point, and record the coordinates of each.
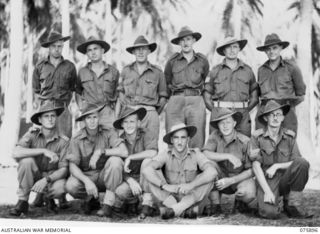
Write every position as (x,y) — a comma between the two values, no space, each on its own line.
(8,186)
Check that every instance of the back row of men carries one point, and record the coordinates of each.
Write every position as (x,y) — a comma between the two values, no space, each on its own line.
(182,181)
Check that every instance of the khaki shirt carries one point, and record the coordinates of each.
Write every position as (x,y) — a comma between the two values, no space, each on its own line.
(238,146)
(284,82)
(183,75)
(82,147)
(235,85)
(285,150)
(34,139)
(144,89)
(98,90)
(145,140)
(51,82)
(181,170)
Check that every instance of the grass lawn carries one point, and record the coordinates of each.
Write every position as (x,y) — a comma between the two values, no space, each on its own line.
(311,203)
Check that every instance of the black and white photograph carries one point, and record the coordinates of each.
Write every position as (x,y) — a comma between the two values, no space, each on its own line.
(162,112)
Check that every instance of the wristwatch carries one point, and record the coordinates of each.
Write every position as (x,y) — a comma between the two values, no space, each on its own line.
(48,179)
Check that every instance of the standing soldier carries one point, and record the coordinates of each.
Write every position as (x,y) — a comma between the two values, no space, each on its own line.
(142,145)
(97,81)
(230,149)
(143,84)
(54,78)
(185,74)
(280,80)
(232,84)
(40,154)
(277,164)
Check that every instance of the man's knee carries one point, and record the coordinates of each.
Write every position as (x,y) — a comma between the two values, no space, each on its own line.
(26,162)
(114,163)
(122,191)
(58,188)
(72,186)
(145,162)
(302,163)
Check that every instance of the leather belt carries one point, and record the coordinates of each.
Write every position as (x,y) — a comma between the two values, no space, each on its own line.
(148,108)
(230,104)
(187,92)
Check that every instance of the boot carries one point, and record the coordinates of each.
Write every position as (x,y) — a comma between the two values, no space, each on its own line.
(167,214)
(190,213)
(212,210)
(51,206)
(105,211)
(291,204)
(38,201)
(90,204)
(146,211)
(20,208)
(63,203)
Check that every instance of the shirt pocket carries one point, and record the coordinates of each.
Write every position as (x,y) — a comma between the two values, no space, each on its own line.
(196,76)
(243,88)
(267,156)
(109,84)
(284,154)
(45,77)
(129,86)
(221,86)
(284,82)
(190,171)
(264,84)
(149,88)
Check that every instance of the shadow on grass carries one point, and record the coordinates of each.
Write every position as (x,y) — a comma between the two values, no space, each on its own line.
(311,203)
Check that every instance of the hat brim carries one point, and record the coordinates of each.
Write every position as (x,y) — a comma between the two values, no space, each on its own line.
(237,116)
(83,47)
(196,35)
(284,45)
(152,47)
(192,130)
(82,116)
(242,44)
(35,117)
(48,43)
(285,108)
(141,112)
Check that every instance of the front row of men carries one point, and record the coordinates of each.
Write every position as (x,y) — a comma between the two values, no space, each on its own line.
(266,173)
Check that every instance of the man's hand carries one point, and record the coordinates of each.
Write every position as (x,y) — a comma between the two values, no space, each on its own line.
(236,162)
(135,187)
(224,183)
(40,185)
(171,188)
(271,171)
(127,164)
(94,159)
(185,188)
(91,188)
(51,155)
(269,198)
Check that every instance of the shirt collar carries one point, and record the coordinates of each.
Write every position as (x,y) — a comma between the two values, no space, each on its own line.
(180,56)
(55,135)
(188,153)
(240,63)
(106,66)
(281,133)
(138,136)
(47,60)
(234,137)
(84,133)
(266,64)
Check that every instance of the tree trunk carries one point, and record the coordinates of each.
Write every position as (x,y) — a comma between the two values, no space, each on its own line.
(306,119)
(108,30)
(11,121)
(29,109)
(65,18)
(237,18)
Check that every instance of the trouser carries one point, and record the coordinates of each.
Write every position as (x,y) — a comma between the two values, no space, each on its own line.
(107,117)
(106,180)
(190,110)
(244,126)
(29,174)
(292,179)
(290,120)
(161,197)
(124,192)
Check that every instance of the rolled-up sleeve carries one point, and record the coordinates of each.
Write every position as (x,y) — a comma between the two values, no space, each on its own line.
(73,152)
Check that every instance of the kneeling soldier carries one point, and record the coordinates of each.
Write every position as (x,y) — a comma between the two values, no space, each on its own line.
(229,148)
(142,145)
(95,163)
(277,164)
(178,186)
(41,157)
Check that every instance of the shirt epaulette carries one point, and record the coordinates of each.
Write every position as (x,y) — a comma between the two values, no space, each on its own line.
(243,138)
(201,55)
(156,67)
(64,137)
(34,129)
(78,134)
(40,62)
(258,132)
(289,132)
(174,56)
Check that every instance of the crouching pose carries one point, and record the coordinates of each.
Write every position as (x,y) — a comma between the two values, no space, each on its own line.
(178,187)
(95,163)
(278,166)
(142,145)
(41,156)
(229,148)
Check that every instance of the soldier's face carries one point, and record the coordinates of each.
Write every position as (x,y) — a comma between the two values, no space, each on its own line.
(226,126)
(130,124)
(48,120)
(273,52)
(180,140)
(92,121)
(275,118)
(95,52)
(141,54)
(55,49)
(232,51)
(186,43)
